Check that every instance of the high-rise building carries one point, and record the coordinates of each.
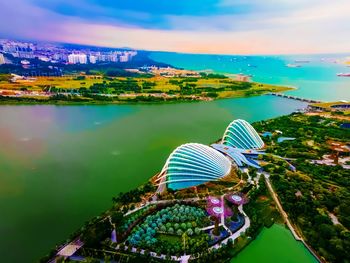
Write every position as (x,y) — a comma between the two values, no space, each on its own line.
(92,59)
(124,58)
(77,59)
(82,59)
(114,58)
(2,59)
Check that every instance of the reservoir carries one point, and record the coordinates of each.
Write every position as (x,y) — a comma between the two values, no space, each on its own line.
(61,165)
(275,244)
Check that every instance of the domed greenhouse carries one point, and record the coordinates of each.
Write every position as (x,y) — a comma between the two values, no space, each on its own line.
(240,134)
(193,164)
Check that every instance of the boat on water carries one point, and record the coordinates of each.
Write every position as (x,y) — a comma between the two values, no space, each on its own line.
(293,66)
(343,74)
(301,61)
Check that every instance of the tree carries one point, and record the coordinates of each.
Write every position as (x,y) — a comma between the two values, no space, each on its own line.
(185,240)
(216,231)
(189,232)
(171,230)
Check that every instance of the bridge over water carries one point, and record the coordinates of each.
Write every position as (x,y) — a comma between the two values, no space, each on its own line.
(293,97)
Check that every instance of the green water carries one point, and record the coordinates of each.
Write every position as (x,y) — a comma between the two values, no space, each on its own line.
(275,244)
(61,165)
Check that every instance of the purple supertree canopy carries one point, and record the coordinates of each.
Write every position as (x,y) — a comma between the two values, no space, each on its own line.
(216,211)
(236,198)
(213,201)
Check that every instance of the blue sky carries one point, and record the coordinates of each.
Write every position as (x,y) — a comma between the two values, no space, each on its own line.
(200,26)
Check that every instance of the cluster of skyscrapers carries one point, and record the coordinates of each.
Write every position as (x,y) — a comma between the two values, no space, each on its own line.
(61,54)
(93,57)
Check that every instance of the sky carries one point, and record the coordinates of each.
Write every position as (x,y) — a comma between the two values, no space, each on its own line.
(191,26)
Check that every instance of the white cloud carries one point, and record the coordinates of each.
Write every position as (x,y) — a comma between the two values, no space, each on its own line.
(316,27)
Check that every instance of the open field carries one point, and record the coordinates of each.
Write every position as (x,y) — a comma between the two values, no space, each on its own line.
(66,82)
(88,88)
(161,83)
(329,105)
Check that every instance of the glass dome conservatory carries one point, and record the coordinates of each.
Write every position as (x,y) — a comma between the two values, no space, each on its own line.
(240,134)
(193,164)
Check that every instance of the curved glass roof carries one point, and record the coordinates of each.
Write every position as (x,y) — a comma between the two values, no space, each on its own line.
(193,164)
(240,134)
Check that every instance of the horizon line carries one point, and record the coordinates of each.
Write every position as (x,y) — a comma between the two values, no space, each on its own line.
(170,51)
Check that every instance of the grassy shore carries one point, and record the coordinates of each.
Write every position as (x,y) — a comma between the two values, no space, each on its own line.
(97,89)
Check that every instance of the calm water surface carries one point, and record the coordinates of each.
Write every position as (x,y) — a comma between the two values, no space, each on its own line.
(275,244)
(61,165)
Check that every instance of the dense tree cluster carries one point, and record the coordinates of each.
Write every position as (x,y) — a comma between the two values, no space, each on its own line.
(316,197)
(133,195)
(130,220)
(311,212)
(260,209)
(178,220)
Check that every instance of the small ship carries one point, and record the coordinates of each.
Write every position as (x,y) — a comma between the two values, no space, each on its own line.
(343,74)
(301,61)
(293,66)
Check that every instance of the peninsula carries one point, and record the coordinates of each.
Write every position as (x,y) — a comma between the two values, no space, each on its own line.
(157,85)
(209,202)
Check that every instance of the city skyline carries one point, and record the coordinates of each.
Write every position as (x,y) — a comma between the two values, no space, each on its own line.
(215,26)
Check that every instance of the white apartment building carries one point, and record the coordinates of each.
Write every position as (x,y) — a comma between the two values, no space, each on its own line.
(92,59)
(77,59)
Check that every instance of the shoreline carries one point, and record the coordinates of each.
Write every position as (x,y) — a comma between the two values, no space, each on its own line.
(7,100)
(286,224)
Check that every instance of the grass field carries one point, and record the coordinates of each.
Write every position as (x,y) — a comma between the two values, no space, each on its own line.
(173,239)
(133,88)
(66,82)
(161,83)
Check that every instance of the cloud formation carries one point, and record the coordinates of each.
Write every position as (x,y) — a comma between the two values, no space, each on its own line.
(208,26)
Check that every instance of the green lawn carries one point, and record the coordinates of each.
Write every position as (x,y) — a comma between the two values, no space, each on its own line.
(170,238)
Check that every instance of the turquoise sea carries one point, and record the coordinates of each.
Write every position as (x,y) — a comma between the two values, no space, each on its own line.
(316,79)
